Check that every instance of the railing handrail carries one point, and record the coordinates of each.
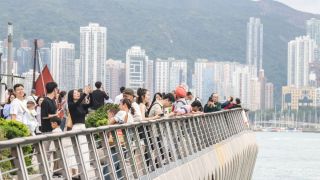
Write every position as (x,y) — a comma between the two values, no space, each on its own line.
(51,136)
(135,150)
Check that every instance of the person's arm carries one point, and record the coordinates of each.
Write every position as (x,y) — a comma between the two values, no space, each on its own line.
(13,116)
(72,104)
(119,118)
(225,104)
(105,95)
(13,110)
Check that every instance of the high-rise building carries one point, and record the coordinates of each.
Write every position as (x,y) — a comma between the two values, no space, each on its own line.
(115,75)
(269,96)
(169,73)
(255,93)
(136,68)
(62,64)
(1,47)
(24,59)
(227,79)
(93,53)
(198,85)
(150,76)
(255,43)
(162,76)
(77,74)
(45,57)
(262,80)
(178,73)
(28,80)
(313,30)
(301,53)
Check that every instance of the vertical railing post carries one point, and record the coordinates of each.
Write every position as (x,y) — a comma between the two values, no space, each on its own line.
(105,145)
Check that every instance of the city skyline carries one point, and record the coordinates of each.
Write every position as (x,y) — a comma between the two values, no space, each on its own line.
(177,72)
(160,75)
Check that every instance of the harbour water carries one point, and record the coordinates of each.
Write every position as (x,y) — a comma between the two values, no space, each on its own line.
(287,155)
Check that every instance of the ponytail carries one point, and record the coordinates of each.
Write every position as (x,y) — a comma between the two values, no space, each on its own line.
(129,105)
(141,92)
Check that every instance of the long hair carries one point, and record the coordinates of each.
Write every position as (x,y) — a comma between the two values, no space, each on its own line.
(155,97)
(129,105)
(141,94)
(9,100)
(61,96)
(70,97)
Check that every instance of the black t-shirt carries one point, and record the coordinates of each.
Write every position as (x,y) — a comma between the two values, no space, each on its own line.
(48,106)
(97,98)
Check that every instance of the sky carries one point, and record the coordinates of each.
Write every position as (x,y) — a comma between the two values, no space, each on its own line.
(312,6)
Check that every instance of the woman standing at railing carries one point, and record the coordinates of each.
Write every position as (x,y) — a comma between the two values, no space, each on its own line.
(78,111)
(143,101)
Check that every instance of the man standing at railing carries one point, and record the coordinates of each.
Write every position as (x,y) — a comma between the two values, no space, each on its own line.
(213,104)
(49,107)
(17,110)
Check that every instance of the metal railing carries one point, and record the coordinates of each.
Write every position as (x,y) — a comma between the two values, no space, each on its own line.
(142,150)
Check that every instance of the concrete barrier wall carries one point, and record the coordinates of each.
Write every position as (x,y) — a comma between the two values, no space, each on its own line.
(231,159)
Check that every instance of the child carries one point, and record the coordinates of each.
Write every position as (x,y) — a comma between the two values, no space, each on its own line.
(29,117)
(194,108)
(55,124)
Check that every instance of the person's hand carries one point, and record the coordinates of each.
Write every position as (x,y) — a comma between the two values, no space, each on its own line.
(86,90)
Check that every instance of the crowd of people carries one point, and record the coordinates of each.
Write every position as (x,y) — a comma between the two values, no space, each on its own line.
(69,110)
(60,111)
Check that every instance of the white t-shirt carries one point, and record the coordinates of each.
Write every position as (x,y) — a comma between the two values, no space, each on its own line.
(121,115)
(137,117)
(17,109)
(118,98)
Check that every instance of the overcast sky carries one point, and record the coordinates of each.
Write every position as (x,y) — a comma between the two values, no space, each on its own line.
(312,6)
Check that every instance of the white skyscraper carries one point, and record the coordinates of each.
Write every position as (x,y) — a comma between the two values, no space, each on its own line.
(27,81)
(62,64)
(115,75)
(255,43)
(77,74)
(93,53)
(178,73)
(136,68)
(227,79)
(255,93)
(150,76)
(301,52)
(269,88)
(313,30)
(1,47)
(162,76)
(203,79)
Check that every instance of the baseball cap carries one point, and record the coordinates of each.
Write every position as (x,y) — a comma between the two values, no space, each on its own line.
(129,91)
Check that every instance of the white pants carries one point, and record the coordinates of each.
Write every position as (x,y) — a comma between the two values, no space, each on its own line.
(84,144)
